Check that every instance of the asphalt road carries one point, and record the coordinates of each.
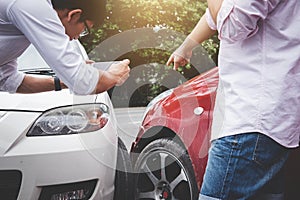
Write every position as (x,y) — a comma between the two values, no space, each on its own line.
(129,121)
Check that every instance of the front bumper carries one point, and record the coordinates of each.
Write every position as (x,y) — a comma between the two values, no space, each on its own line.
(48,161)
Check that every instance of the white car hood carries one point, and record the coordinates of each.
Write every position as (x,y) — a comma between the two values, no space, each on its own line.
(41,101)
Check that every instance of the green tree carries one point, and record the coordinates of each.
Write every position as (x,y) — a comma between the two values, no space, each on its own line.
(177,15)
(163,16)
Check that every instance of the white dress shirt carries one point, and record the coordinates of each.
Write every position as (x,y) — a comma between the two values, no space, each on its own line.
(259,68)
(35,21)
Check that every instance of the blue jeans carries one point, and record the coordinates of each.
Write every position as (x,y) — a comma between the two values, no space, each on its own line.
(244,166)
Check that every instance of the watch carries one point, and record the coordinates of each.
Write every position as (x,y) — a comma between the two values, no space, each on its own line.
(57,85)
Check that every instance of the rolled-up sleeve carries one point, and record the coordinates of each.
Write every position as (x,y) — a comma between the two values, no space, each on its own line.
(238,19)
(86,80)
(210,22)
(10,77)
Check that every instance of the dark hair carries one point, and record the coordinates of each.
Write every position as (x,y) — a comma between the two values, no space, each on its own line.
(94,10)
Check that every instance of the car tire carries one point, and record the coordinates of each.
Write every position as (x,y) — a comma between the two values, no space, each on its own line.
(163,170)
(123,177)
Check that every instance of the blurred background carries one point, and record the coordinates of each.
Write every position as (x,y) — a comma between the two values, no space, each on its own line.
(147,32)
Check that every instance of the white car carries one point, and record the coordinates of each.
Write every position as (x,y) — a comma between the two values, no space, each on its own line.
(59,146)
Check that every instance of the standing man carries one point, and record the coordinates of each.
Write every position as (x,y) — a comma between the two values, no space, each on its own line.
(257,111)
(50,25)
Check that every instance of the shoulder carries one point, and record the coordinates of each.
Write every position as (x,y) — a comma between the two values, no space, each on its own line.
(31,6)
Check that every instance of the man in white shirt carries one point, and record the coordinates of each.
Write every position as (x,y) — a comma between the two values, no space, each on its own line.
(256,116)
(50,25)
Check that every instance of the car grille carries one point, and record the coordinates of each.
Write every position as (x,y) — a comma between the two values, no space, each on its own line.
(10,182)
(78,190)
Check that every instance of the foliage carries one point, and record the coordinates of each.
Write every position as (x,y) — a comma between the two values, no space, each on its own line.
(172,20)
(177,15)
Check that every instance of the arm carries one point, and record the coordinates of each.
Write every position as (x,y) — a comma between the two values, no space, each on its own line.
(200,33)
(115,75)
(32,84)
(214,7)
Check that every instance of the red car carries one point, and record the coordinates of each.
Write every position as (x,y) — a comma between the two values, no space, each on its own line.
(170,152)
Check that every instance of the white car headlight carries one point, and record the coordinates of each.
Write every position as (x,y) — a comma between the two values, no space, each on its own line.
(71,120)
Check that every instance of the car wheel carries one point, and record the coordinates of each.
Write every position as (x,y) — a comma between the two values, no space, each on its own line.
(164,171)
(123,177)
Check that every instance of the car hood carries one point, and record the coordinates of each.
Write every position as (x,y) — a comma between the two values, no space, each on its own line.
(41,101)
(199,87)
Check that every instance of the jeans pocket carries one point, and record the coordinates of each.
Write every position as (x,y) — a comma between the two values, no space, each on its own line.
(267,152)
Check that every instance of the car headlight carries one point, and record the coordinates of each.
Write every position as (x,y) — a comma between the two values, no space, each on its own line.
(71,120)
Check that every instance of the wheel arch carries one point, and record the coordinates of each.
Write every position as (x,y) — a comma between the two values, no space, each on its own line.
(152,134)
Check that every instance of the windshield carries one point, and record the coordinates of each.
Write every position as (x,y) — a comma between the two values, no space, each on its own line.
(31,59)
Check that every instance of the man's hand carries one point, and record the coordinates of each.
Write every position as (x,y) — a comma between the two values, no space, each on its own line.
(179,60)
(116,74)
(120,71)
(183,54)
